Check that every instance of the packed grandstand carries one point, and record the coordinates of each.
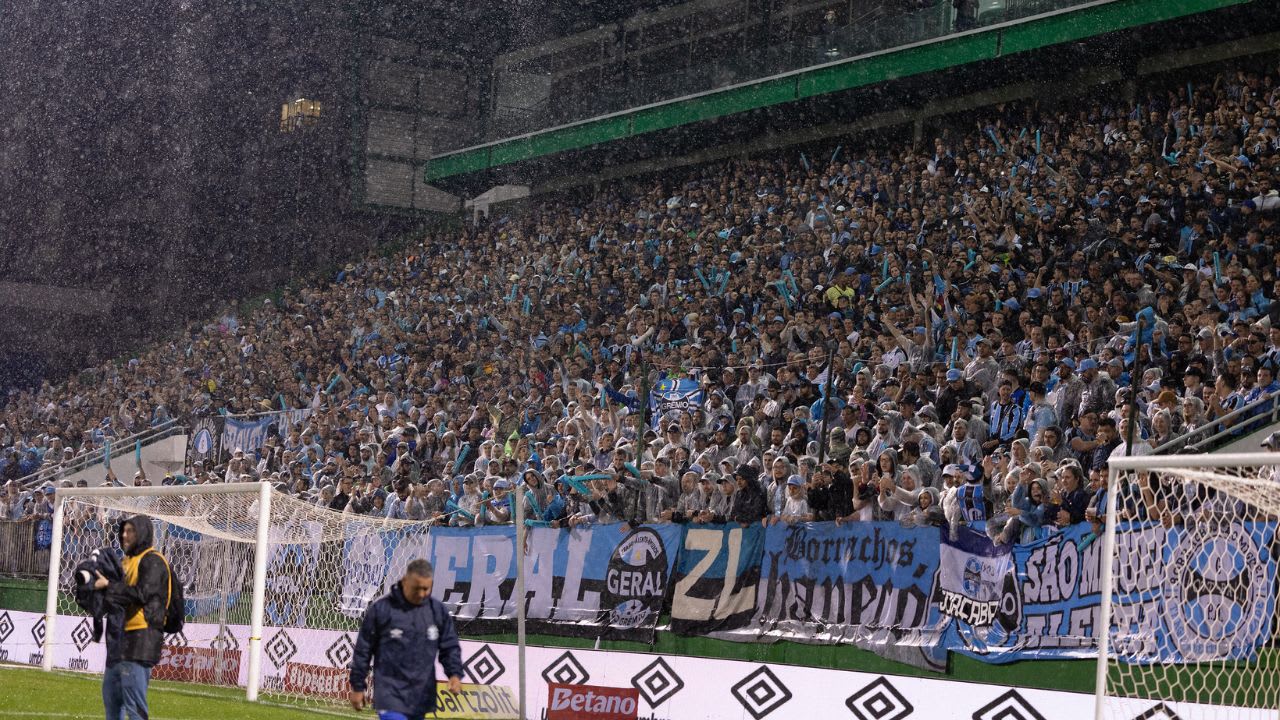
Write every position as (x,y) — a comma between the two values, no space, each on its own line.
(957,331)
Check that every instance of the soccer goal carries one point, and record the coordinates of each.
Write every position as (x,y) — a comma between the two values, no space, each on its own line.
(1187,627)
(274,587)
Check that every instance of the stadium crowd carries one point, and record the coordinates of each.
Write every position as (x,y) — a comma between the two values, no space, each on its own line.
(969,306)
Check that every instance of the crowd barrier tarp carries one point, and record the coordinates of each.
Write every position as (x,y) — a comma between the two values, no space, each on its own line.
(603,581)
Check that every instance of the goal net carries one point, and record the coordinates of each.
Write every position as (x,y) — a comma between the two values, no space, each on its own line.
(1189,597)
(272,606)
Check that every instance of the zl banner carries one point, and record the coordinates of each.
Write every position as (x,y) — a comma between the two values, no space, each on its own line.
(205,440)
(603,580)
(672,397)
(717,579)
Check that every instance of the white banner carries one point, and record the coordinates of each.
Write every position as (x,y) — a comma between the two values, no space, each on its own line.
(671,687)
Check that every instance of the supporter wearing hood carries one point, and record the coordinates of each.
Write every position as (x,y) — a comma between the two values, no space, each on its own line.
(143,595)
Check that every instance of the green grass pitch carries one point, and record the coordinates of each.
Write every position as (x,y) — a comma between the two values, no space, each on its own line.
(28,693)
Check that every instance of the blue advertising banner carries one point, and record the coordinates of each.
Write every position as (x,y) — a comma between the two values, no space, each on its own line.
(606,580)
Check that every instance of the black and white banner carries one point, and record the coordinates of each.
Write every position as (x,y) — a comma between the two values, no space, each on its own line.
(204,440)
(314,662)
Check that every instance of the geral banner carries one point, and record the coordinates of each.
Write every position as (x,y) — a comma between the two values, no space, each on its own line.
(673,396)
(591,702)
(602,580)
(667,686)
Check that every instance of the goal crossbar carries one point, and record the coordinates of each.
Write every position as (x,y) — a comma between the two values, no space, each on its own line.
(1154,462)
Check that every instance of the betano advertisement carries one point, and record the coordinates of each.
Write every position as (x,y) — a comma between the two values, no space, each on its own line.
(667,687)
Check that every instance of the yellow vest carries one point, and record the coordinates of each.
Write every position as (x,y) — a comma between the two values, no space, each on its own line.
(137,620)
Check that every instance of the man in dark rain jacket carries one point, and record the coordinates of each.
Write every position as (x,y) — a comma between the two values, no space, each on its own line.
(143,596)
(401,634)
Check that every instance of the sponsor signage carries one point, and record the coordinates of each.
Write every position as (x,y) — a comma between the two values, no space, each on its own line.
(668,686)
(199,665)
(591,702)
(316,681)
(476,702)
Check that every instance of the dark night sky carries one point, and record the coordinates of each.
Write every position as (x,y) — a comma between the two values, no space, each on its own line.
(141,157)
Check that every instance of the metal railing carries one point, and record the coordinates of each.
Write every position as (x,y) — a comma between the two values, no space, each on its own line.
(18,554)
(119,447)
(1226,429)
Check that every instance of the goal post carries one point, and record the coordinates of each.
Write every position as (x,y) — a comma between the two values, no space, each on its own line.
(169,504)
(1187,619)
(275,586)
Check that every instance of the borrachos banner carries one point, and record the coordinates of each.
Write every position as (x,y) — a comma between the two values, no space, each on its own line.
(602,580)
(591,702)
(865,583)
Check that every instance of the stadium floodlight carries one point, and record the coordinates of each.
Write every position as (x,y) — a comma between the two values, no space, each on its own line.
(1188,597)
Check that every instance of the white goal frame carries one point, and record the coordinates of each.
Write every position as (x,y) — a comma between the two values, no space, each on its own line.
(263,491)
(1116,465)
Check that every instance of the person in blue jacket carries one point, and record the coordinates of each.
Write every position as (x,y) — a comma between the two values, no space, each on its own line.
(400,635)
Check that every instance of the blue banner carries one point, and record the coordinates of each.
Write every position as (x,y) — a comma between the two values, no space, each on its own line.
(828,583)
(866,584)
(249,434)
(975,592)
(212,574)
(606,580)
(717,578)
(1196,593)
(1182,594)
(672,397)
(246,434)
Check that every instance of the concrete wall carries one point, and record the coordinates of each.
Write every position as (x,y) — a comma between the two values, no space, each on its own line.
(162,456)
